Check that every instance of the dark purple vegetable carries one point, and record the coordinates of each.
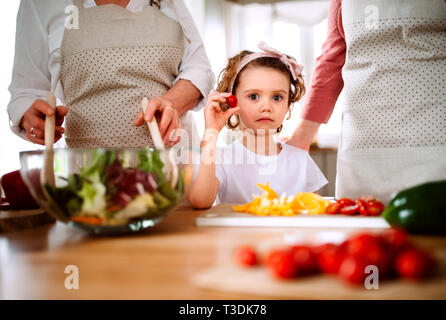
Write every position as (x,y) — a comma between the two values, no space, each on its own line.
(126,183)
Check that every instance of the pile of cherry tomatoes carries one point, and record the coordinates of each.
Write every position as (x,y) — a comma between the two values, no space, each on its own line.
(390,252)
(365,206)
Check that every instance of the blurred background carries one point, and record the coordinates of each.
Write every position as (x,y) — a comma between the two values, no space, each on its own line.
(297,28)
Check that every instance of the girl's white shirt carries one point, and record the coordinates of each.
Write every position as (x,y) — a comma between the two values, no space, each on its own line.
(239,170)
(40,30)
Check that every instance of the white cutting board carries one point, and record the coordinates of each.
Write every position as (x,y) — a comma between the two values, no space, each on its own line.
(222,215)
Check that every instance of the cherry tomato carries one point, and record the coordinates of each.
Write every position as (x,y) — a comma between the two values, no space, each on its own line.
(232,101)
(374,208)
(333,208)
(414,264)
(281,263)
(395,239)
(246,256)
(362,208)
(330,257)
(360,243)
(350,210)
(344,202)
(368,198)
(305,260)
(352,270)
(378,256)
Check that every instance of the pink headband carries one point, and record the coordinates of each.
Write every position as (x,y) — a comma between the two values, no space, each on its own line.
(294,67)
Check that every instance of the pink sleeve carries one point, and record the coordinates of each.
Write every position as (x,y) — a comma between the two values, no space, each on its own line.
(327,83)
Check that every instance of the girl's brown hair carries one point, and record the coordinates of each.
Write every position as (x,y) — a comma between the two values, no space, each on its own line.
(297,89)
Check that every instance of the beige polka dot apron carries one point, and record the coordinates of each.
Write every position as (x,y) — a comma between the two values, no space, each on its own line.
(108,65)
(394,117)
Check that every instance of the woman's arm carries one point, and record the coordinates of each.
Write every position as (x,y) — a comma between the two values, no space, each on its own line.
(195,66)
(37,23)
(326,84)
(183,96)
(30,75)
(303,134)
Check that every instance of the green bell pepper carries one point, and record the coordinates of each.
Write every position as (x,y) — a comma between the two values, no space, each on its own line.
(419,209)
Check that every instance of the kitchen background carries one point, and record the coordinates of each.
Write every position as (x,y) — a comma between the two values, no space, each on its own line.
(295,27)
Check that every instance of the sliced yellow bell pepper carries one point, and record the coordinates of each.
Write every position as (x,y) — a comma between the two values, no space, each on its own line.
(270,193)
(270,203)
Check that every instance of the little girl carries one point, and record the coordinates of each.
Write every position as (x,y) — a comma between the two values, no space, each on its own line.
(265,85)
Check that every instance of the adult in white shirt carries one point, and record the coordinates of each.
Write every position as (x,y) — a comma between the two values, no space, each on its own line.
(100,58)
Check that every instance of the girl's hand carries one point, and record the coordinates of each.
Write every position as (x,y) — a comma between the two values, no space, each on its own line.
(33,121)
(170,119)
(214,117)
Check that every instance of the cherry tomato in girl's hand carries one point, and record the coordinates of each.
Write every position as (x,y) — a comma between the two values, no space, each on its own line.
(232,101)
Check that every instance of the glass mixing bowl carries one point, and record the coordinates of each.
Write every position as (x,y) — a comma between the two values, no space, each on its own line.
(106,191)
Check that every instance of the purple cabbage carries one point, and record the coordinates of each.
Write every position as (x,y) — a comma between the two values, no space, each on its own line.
(126,183)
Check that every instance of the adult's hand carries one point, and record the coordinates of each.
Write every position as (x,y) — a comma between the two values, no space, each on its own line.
(33,121)
(304,134)
(169,121)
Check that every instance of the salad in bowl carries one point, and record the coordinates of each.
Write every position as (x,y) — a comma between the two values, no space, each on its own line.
(105,191)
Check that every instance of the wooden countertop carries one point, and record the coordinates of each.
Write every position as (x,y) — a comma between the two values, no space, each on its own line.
(159,263)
